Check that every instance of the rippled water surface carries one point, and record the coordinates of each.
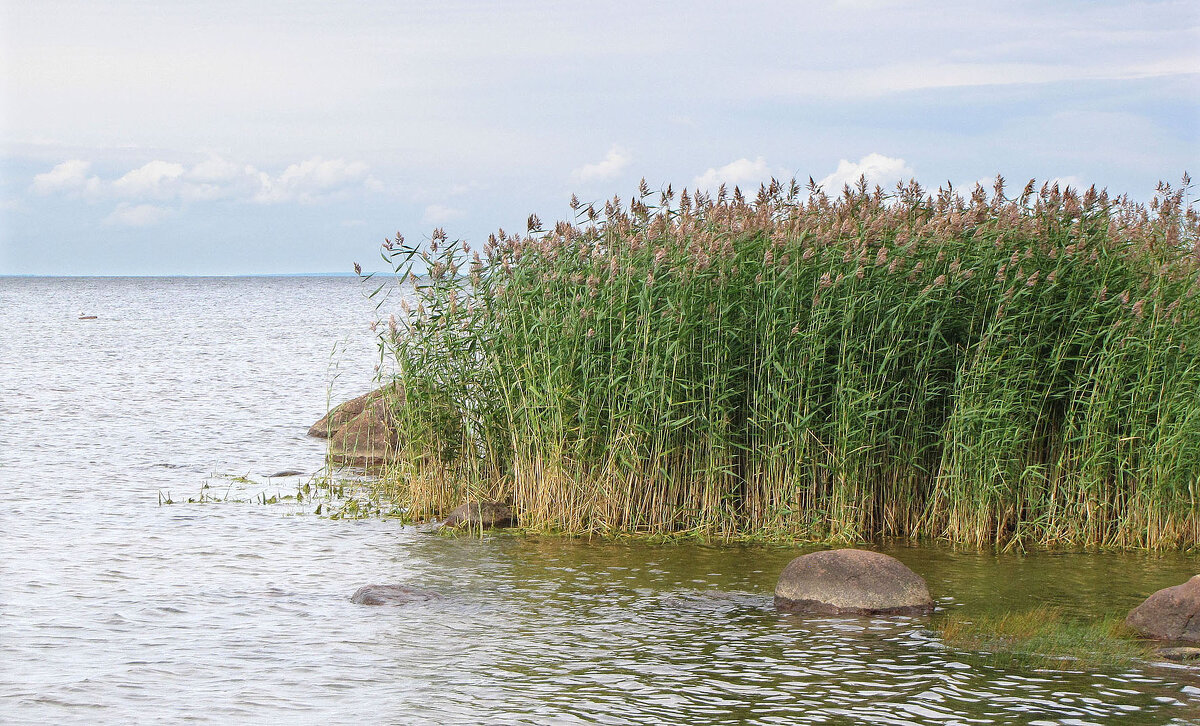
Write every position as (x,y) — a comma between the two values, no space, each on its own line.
(115,608)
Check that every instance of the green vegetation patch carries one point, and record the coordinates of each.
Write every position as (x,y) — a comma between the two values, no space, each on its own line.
(985,369)
(1043,638)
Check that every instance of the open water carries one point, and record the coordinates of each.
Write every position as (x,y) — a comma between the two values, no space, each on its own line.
(116,607)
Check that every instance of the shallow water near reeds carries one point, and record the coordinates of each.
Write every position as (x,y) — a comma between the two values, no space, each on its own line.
(115,608)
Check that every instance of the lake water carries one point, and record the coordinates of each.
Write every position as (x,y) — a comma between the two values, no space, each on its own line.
(116,608)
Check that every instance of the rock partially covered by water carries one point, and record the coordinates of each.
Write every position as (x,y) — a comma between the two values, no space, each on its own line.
(1172,613)
(1183,654)
(481,515)
(391,595)
(361,431)
(849,581)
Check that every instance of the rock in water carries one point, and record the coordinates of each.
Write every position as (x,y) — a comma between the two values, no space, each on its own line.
(1179,654)
(341,414)
(368,438)
(1172,613)
(851,582)
(361,431)
(481,515)
(391,595)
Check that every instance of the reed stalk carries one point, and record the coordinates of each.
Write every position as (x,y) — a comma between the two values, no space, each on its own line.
(982,369)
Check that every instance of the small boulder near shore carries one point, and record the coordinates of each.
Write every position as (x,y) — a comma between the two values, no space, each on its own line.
(1172,613)
(391,595)
(481,515)
(851,582)
(343,413)
(361,431)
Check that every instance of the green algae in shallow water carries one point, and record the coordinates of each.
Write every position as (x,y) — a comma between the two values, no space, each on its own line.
(1044,638)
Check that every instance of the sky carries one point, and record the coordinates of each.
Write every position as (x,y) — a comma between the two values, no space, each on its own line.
(151,138)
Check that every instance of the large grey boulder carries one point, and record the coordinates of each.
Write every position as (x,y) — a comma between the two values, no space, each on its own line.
(391,595)
(849,581)
(1172,613)
(481,515)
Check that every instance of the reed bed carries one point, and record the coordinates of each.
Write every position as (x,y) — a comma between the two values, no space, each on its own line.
(981,369)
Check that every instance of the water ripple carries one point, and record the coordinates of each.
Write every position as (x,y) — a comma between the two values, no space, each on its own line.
(114,609)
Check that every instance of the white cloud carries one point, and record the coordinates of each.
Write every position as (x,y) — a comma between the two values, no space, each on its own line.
(136,215)
(309,180)
(1070,180)
(66,177)
(888,77)
(155,180)
(216,169)
(877,168)
(439,214)
(615,162)
(741,173)
(471,186)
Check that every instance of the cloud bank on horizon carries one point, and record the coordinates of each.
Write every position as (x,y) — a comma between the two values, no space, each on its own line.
(219,139)
(214,178)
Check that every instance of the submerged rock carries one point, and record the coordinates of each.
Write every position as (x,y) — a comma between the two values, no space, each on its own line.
(481,515)
(391,595)
(1172,613)
(712,601)
(1179,654)
(286,472)
(361,431)
(850,581)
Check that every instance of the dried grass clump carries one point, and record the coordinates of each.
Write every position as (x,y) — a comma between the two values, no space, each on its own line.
(987,370)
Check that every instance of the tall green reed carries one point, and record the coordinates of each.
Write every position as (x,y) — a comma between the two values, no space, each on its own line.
(984,369)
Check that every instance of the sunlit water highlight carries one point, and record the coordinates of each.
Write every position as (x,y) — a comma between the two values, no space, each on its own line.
(115,609)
